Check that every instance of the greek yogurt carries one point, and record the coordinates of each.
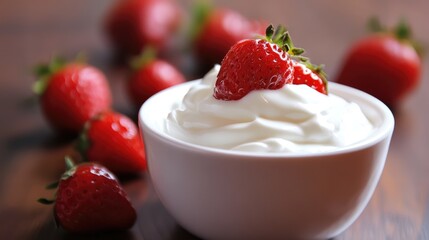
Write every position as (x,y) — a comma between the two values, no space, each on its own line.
(295,118)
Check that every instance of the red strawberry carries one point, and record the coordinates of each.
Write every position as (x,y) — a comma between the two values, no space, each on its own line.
(219,29)
(151,76)
(72,93)
(384,65)
(90,199)
(256,64)
(114,141)
(131,25)
(313,76)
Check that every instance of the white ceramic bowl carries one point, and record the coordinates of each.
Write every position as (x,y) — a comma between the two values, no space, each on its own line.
(222,194)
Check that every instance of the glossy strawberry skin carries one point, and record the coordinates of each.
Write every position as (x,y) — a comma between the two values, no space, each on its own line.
(222,29)
(91,200)
(114,141)
(73,95)
(133,24)
(382,66)
(151,78)
(252,65)
(303,75)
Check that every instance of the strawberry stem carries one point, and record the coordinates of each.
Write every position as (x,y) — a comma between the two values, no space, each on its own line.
(281,37)
(83,143)
(287,44)
(402,32)
(53,185)
(45,201)
(278,33)
(200,13)
(296,51)
(69,163)
(44,72)
(70,168)
(374,25)
(147,56)
(269,32)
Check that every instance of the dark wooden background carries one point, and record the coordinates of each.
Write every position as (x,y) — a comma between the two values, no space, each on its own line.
(31,154)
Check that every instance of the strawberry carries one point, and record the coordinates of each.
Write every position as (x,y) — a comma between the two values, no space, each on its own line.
(253,64)
(313,76)
(218,29)
(385,65)
(131,25)
(151,76)
(90,199)
(114,141)
(71,93)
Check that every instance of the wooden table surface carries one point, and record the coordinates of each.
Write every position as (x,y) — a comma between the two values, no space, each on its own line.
(32,154)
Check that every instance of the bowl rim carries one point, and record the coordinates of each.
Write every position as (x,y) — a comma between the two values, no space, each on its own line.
(384,131)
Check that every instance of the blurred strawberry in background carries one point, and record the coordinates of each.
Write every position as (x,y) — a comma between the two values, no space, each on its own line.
(215,30)
(71,93)
(385,64)
(131,25)
(151,75)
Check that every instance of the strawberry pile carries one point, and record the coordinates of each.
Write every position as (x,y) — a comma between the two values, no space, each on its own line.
(76,99)
(267,63)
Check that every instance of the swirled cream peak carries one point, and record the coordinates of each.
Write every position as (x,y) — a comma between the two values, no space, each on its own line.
(295,118)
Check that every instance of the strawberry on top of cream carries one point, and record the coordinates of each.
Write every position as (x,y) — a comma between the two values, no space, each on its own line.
(294,118)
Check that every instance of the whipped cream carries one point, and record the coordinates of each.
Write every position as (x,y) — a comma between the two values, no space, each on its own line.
(295,118)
